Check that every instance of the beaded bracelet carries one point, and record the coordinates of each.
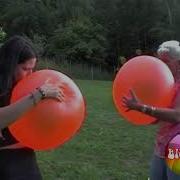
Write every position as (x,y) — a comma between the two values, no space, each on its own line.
(144,108)
(148,109)
(43,95)
(33,98)
(153,109)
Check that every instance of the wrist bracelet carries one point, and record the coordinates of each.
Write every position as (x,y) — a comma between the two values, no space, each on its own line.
(153,109)
(33,98)
(144,108)
(148,109)
(43,95)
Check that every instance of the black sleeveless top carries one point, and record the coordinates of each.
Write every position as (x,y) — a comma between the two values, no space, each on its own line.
(7,138)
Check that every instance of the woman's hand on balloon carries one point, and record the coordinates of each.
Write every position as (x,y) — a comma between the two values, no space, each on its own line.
(132,102)
(53,91)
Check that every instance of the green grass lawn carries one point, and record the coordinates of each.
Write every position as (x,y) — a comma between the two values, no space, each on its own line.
(107,147)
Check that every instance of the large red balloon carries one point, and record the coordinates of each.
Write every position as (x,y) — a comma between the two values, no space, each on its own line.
(50,123)
(152,82)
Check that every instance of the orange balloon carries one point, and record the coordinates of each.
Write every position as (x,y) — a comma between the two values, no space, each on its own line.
(151,80)
(50,123)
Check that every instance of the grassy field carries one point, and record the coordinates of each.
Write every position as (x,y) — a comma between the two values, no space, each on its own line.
(106,148)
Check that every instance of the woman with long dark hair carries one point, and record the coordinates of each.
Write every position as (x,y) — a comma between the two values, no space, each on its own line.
(18,60)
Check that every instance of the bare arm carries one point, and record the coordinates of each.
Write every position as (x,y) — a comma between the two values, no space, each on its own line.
(10,113)
(163,114)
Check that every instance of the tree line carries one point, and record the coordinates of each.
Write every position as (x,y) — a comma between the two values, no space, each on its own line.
(92,31)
